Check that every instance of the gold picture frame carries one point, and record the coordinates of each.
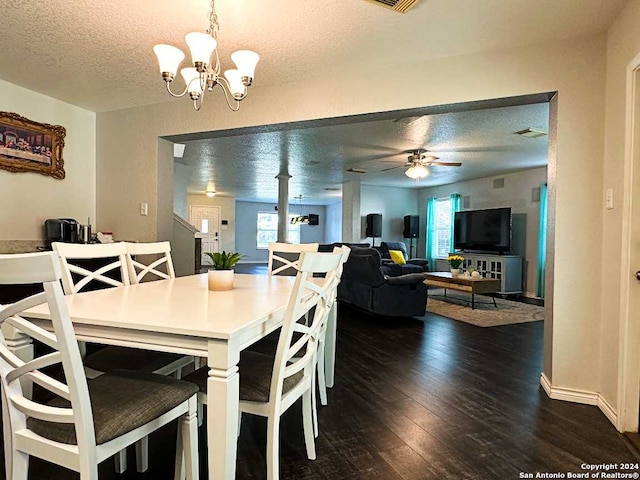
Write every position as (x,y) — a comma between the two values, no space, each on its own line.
(28,146)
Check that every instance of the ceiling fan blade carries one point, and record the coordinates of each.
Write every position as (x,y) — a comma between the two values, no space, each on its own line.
(445,164)
(392,168)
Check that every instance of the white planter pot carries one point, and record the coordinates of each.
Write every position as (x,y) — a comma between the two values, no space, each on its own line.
(455,272)
(220,280)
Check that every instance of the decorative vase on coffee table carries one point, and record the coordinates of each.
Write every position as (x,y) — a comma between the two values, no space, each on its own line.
(455,272)
(220,280)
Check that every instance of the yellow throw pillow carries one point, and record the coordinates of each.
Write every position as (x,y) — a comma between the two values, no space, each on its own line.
(397,256)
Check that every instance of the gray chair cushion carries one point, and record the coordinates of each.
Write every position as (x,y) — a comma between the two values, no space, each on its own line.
(117,358)
(255,377)
(121,401)
(290,256)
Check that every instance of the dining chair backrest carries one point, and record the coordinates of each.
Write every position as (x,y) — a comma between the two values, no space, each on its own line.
(139,269)
(297,343)
(283,257)
(74,251)
(44,269)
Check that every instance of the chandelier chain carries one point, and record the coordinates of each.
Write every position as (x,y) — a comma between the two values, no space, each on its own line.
(214,26)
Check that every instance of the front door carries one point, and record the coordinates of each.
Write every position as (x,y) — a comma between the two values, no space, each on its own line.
(207,220)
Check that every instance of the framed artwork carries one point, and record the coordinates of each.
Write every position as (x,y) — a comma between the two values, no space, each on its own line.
(28,146)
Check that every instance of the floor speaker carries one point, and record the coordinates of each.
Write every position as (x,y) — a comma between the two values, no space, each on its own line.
(411,226)
(374,225)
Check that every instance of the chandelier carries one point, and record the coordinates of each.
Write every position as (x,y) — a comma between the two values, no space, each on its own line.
(203,76)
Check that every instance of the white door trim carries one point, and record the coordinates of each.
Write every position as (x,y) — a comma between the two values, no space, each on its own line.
(629,335)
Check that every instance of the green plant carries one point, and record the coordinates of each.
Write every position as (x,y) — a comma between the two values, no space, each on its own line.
(224,260)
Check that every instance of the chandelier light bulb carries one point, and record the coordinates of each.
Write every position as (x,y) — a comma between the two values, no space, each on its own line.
(192,80)
(246,62)
(238,90)
(169,59)
(201,46)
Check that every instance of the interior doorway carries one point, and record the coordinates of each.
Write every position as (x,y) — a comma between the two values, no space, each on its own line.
(629,375)
(207,220)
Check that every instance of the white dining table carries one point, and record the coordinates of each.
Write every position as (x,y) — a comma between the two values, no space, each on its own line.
(182,316)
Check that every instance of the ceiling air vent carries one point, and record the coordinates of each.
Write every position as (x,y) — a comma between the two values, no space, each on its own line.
(401,6)
(532,132)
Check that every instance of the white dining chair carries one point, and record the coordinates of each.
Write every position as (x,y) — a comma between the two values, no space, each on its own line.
(87,421)
(161,253)
(270,385)
(283,257)
(344,251)
(76,278)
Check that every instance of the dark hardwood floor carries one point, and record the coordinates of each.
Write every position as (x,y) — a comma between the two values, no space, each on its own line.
(426,398)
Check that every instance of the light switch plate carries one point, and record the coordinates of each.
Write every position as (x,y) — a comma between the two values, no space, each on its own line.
(608,199)
(144,209)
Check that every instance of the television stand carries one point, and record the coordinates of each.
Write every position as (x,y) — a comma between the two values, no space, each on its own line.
(506,268)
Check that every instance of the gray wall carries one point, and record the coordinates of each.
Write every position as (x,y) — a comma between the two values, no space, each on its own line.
(333,226)
(393,204)
(246,228)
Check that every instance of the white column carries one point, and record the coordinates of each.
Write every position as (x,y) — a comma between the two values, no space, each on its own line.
(283,207)
(351,220)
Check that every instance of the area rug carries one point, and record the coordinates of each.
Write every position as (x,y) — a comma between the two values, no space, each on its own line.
(456,307)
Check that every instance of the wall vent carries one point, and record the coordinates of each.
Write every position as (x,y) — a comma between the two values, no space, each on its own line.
(466,202)
(498,183)
(401,6)
(532,132)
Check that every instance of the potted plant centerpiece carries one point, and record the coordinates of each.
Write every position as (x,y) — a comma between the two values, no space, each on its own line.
(221,277)
(455,261)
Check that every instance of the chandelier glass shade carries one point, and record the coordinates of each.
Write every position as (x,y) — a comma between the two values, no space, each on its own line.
(204,75)
(416,171)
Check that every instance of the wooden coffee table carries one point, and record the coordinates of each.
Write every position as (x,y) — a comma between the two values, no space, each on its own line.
(464,284)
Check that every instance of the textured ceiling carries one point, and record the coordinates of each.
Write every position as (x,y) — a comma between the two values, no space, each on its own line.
(244,165)
(98,54)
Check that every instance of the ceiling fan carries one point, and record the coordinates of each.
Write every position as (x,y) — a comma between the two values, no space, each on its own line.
(417,164)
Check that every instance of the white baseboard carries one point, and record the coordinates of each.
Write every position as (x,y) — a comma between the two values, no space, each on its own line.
(579,396)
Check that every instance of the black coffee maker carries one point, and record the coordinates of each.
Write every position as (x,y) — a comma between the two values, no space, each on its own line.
(60,230)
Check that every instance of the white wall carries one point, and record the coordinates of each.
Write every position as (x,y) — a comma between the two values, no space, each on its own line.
(247,228)
(127,168)
(181,177)
(516,194)
(227,212)
(28,199)
(333,228)
(622,46)
(393,204)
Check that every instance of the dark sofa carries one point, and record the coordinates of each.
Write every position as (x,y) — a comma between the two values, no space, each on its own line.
(366,286)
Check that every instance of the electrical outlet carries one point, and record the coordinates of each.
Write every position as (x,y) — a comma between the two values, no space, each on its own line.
(144,209)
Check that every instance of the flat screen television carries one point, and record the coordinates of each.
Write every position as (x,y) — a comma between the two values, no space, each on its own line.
(483,230)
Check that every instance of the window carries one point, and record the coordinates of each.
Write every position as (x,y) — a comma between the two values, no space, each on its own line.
(442,227)
(268,230)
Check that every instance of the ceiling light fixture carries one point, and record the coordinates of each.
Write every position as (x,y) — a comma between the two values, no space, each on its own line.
(210,193)
(416,171)
(202,76)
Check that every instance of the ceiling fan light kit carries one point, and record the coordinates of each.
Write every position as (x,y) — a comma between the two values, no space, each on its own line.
(202,76)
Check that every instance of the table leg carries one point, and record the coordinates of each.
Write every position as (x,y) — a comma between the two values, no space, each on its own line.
(494,301)
(223,391)
(21,346)
(473,299)
(330,346)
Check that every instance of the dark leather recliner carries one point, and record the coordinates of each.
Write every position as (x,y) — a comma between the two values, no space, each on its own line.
(384,248)
(364,285)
